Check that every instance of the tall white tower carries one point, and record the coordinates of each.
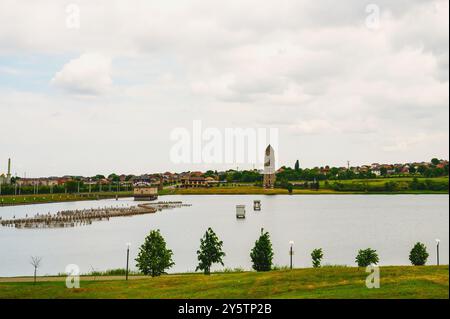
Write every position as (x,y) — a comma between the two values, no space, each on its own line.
(8,175)
(269,168)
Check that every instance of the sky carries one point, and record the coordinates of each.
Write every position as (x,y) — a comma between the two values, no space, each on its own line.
(89,88)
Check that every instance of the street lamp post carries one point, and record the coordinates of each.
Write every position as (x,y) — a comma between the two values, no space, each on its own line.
(291,251)
(437,250)
(128,257)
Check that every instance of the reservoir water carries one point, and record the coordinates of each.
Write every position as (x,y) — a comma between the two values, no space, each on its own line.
(340,224)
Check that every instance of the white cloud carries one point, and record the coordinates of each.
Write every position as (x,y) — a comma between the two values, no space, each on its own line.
(406,143)
(90,74)
(312,127)
(8,70)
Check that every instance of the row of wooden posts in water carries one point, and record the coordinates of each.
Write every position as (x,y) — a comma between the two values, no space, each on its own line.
(72,218)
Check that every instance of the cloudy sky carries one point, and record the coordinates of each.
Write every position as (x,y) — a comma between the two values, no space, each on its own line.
(98,88)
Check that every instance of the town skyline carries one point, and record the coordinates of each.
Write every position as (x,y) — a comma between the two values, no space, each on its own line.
(348,165)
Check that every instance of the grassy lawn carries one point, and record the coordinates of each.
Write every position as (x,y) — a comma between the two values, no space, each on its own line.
(382,180)
(241,190)
(252,190)
(327,282)
(50,198)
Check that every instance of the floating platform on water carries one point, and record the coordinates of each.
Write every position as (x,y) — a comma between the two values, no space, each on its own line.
(240,211)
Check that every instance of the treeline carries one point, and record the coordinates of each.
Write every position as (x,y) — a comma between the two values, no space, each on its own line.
(250,176)
(155,258)
(312,174)
(335,173)
(288,174)
(390,186)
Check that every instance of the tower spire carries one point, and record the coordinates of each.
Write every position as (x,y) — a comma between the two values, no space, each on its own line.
(8,175)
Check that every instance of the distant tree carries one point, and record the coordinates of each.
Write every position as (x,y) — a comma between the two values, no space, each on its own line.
(72,186)
(383,171)
(154,257)
(297,165)
(390,186)
(98,177)
(429,172)
(439,172)
(412,170)
(316,256)
(36,263)
(114,177)
(415,184)
(315,185)
(435,161)
(210,252)
(367,257)
(418,255)
(209,173)
(421,169)
(334,171)
(262,253)
(289,187)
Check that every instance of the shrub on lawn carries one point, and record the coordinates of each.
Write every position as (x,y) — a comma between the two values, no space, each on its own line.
(262,253)
(154,257)
(418,255)
(367,257)
(210,252)
(317,256)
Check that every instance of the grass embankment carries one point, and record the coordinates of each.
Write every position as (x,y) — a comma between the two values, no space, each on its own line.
(51,198)
(241,190)
(327,282)
(353,186)
(382,180)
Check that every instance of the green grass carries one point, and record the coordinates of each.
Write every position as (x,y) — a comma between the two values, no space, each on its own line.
(253,190)
(250,189)
(51,198)
(382,180)
(326,282)
(241,190)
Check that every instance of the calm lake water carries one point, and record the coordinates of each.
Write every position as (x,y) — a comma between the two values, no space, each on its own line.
(340,224)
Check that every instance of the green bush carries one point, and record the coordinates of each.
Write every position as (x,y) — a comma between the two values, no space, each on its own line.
(262,253)
(154,257)
(418,255)
(317,256)
(210,252)
(367,257)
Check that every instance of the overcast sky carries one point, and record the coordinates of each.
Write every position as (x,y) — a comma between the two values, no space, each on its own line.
(338,83)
